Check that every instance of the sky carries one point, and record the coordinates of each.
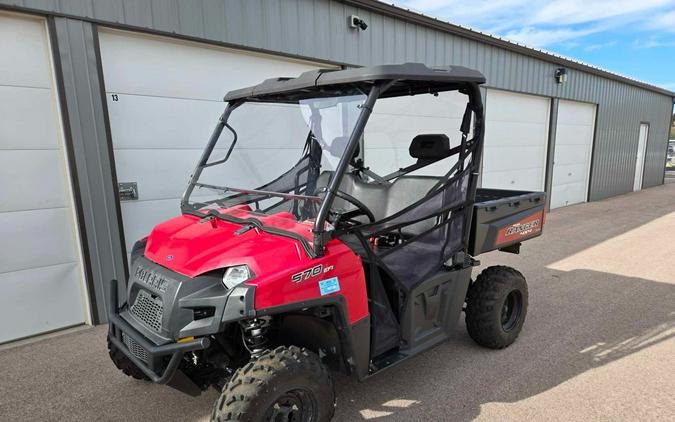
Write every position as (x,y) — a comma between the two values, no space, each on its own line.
(635,38)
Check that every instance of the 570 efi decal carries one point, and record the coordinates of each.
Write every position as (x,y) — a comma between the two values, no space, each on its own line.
(310,272)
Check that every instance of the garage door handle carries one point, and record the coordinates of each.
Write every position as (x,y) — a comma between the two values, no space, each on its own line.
(127,191)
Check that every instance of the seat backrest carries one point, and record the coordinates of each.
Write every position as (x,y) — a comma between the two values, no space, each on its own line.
(385,200)
(407,190)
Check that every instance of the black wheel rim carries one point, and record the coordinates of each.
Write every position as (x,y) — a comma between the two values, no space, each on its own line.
(293,406)
(511,310)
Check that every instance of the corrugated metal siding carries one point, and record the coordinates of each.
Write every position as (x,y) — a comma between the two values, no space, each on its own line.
(85,120)
(318,29)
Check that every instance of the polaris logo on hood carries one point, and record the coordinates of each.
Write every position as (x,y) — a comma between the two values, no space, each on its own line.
(151,278)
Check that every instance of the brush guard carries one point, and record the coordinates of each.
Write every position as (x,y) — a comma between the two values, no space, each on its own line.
(126,338)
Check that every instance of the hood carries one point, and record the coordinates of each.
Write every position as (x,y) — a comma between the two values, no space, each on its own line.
(192,246)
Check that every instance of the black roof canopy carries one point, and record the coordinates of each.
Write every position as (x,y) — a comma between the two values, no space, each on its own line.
(410,79)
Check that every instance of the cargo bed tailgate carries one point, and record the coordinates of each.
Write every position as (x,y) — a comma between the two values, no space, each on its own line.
(503,218)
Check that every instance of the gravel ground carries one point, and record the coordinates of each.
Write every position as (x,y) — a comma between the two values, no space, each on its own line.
(598,344)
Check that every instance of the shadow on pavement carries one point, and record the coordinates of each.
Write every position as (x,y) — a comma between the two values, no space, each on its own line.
(577,321)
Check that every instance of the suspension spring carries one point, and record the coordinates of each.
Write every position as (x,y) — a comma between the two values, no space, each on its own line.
(253,333)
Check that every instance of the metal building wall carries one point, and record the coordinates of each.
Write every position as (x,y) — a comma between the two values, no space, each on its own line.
(318,29)
(83,107)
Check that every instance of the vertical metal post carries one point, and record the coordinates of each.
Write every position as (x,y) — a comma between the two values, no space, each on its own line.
(334,184)
(550,154)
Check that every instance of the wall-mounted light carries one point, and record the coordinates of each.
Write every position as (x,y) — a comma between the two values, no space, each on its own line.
(357,23)
(561,75)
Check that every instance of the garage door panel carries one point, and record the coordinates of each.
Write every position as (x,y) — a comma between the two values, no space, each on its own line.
(32,180)
(513,157)
(259,127)
(573,134)
(147,65)
(36,238)
(157,122)
(512,107)
(141,216)
(516,141)
(568,194)
(571,154)
(171,169)
(520,179)
(41,277)
(395,131)
(27,66)
(516,133)
(141,122)
(32,116)
(573,146)
(446,105)
(569,173)
(39,300)
(576,113)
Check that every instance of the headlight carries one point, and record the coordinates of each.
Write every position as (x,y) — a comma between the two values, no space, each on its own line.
(237,275)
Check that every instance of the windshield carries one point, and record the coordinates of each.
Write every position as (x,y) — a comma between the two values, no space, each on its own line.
(276,157)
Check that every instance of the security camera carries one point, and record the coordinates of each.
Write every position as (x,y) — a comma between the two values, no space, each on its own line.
(357,22)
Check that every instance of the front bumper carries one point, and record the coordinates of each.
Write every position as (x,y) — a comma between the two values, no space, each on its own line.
(156,366)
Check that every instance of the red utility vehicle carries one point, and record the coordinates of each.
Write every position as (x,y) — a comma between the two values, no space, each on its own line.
(273,277)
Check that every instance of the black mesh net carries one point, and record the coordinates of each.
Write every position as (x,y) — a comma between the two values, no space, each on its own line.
(416,260)
(447,197)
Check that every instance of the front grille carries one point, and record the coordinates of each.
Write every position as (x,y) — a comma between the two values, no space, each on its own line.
(148,309)
(135,348)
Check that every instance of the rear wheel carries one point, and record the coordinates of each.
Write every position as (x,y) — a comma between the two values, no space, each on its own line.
(124,364)
(496,307)
(283,385)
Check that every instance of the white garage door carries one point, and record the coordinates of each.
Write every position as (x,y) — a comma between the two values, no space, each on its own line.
(164,97)
(573,145)
(516,139)
(41,277)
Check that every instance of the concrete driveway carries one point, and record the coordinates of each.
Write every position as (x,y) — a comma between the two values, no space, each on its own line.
(598,344)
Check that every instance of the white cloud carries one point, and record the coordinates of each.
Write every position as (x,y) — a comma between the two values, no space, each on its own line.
(593,47)
(570,12)
(536,37)
(542,23)
(653,42)
(664,22)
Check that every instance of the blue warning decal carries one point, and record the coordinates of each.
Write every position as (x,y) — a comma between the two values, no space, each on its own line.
(329,285)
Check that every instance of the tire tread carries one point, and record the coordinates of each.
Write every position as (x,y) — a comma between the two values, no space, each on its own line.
(490,288)
(249,382)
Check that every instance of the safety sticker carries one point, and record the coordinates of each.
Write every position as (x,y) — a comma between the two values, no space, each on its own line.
(329,285)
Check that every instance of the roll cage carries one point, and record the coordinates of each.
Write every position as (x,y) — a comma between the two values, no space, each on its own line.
(450,200)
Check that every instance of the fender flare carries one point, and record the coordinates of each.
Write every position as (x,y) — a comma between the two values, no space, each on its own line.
(354,338)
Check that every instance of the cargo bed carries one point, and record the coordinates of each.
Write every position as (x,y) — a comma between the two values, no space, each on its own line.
(502,219)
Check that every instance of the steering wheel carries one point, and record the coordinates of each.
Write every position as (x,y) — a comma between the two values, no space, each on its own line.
(361,209)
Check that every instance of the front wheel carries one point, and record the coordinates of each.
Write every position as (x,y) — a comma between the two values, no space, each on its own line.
(496,306)
(285,384)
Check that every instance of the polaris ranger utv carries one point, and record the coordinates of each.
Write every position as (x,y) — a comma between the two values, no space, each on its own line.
(274,277)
